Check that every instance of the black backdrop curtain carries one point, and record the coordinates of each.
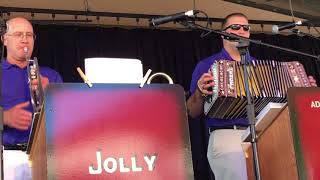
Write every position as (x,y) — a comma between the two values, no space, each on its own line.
(176,53)
(173,52)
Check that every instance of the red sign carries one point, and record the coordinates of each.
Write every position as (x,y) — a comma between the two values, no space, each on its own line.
(117,132)
(304,106)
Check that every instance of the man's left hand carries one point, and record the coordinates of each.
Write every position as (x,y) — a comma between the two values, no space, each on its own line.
(312,81)
(44,83)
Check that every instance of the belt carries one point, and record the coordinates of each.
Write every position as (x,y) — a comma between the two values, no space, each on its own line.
(20,147)
(235,127)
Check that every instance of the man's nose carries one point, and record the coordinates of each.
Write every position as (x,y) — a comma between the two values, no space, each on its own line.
(24,38)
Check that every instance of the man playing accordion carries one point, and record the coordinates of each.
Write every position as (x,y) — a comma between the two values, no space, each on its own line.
(225,154)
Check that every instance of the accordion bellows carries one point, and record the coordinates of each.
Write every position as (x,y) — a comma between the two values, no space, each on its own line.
(268,82)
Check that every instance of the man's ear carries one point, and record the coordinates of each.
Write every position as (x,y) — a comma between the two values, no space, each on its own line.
(4,40)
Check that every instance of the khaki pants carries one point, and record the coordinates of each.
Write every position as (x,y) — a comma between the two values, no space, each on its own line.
(16,165)
(226,156)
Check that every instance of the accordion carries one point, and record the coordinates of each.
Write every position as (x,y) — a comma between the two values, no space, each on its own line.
(268,81)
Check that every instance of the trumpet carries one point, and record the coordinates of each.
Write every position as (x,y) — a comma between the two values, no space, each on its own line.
(36,94)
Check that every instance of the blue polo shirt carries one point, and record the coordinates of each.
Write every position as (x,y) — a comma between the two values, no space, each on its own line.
(203,67)
(15,90)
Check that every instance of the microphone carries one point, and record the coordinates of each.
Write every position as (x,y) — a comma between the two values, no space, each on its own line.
(230,38)
(276,28)
(173,17)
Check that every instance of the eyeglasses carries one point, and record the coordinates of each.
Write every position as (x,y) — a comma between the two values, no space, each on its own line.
(21,35)
(237,27)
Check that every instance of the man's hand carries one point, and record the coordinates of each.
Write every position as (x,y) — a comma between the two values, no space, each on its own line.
(205,83)
(44,83)
(312,81)
(196,100)
(17,117)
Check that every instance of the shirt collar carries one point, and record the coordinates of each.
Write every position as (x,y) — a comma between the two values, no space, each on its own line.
(7,65)
(226,54)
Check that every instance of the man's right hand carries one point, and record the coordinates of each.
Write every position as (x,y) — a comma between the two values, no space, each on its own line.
(17,117)
(196,100)
(205,84)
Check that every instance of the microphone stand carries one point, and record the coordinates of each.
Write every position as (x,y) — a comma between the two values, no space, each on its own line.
(244,53)
(192,25)
(298,32)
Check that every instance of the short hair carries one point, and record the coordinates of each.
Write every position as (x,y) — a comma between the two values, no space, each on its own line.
(225,20)
(8,22)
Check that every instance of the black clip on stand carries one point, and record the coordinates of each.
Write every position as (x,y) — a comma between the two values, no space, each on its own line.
(244,53)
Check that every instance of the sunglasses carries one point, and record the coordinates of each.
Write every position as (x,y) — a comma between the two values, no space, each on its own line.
(236,27)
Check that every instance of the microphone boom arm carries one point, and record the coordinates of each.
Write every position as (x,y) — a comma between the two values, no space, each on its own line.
(258,42)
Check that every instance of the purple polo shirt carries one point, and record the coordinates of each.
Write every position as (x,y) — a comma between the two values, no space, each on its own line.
(15,90)
(202,67)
